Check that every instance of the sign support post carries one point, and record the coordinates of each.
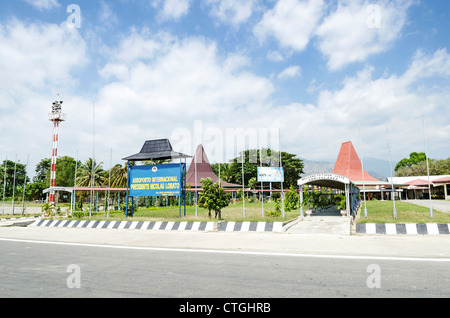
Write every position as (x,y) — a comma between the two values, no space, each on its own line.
(128,189)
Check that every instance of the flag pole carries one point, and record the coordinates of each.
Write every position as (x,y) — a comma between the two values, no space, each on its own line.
(281,167)
(243,185)
(262,185)
(4,186)
(362,172)
(196,193)
(390,167)
(428,168)
(14,185)
(24,186)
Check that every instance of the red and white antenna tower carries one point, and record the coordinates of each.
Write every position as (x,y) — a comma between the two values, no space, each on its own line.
(56,116)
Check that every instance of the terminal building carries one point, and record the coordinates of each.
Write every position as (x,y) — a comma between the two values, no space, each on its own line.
(349,165)
(416,188)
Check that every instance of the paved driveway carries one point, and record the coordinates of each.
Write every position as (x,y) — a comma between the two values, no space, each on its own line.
(440,205)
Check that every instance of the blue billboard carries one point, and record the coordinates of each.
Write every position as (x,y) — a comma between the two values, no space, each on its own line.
(156,180)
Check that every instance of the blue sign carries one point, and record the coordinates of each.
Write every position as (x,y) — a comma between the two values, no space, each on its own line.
(269,174)
(156,180)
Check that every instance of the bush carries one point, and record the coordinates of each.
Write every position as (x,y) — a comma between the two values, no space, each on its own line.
(277,211)
(291,199)
(78,215)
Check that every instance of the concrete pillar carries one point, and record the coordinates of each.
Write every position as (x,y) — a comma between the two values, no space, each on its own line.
(301,201)
(446,193)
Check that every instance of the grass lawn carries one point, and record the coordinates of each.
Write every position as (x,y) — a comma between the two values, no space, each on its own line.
(231,213)
(382,212)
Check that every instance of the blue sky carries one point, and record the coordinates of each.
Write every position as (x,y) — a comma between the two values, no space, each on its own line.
(157,68)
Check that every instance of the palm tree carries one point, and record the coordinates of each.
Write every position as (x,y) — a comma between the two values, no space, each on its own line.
(87,178)
(118,177)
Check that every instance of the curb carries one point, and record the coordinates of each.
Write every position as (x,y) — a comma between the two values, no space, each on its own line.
(276,227)
(165,226)
(17,222)
(403,229)
(20,218)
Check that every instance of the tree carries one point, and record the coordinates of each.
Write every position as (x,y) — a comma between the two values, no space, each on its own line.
(414,159)
(291,199)
(20,176)
(65,171)
(293,166)
(84,174)
(252,183)
(118,177)
(225,171)
(437,168)
(34,191)
(213,197)
(42,170)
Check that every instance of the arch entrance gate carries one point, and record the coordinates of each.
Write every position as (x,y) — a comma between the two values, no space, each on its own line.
(336,183)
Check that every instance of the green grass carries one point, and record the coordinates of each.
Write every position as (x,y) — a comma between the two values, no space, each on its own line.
(231,213)
(382,212)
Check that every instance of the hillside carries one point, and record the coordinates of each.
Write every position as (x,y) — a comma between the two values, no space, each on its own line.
(377,168)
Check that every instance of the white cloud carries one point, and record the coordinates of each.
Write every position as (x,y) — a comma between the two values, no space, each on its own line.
(291,23)
(172,9)
(423,66)
(38,61)
(107,16)
(184,80)
(43,4)
(187,80)
(394,99)
(357,30)
(36,56)
(316,131)
(275,56)
(290,72)
(232,12)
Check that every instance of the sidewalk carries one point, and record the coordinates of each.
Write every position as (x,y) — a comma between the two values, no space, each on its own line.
(440,205)
(329,222)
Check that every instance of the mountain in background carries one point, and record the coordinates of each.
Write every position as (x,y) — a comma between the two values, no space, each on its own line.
(317,167)
(376,167)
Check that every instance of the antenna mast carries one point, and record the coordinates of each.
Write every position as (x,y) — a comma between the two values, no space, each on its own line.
(56,116)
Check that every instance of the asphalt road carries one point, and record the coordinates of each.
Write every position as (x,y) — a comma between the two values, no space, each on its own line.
(440,205)
(42,269)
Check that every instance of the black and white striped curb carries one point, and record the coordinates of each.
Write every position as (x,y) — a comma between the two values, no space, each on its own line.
(405,229)
(165,226)
(251,227)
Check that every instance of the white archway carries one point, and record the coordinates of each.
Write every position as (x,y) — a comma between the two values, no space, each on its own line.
(333,181)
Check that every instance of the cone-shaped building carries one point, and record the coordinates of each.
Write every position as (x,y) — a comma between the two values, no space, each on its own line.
(200,165)
(349,165)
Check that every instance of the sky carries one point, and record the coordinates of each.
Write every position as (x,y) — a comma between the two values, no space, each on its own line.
(300,75)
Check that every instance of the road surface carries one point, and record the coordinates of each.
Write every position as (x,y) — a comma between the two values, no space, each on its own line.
(83,263)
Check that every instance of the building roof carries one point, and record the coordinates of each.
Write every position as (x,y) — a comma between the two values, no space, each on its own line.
(160,149)
(445,179)
(417,182)
(349,165)
(201,165)
(433,179)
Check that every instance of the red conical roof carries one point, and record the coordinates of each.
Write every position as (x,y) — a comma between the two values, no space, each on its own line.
(204,170)
(349,165)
